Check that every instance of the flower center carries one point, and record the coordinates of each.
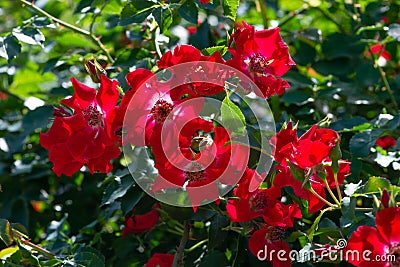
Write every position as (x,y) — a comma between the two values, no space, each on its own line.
(93,116)
(258,64)
(258,201)
(161,110)
(275,233)
(393,256)
(194,172)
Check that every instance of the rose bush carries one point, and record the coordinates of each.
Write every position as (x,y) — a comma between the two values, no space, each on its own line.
(272,128)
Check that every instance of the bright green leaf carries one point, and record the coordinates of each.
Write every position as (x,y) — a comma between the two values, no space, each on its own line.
(232,117)
(230,8)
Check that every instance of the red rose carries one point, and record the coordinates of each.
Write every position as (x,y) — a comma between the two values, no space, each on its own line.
(209,75)
(386,142)
(81,133)
(141,223)
(263,56)
(308,151)
(267,244)
(263,203)
(382,242)
(160,260)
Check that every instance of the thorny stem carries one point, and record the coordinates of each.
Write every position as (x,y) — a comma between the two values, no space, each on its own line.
(74,28)
(178,259)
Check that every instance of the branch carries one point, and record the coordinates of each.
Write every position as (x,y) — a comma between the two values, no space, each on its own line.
(178,259)
(74,28)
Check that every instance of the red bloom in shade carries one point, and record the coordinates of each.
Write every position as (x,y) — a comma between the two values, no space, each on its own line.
(263,203)
(84,136)
(208,75)
(382,242)
(204,1)
(160,260)
(141,223)
(284,178)
(263,56)
(386,142)
(266,242)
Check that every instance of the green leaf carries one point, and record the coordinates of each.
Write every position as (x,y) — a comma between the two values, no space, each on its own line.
(232,117)
(216,236)
(376,185)
(163,17)
(215,258)
(201,39)
(29,35)
(348,207)
(348,124)
(361,143)
(9,47)
(131,199)
(83,4)
(37,119)
(7,252)
(211,50)
(6,234)
(29,82)
(314,226)
(230,8)
(87,256)
(116,189)
(189,11)
(136,12)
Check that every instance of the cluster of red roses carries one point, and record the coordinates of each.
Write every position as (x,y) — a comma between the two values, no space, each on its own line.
(91,126)
(87,129)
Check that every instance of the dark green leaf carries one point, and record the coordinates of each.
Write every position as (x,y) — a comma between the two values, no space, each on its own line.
(37,119)
(83,4)
(189,11)
(215,258)
(29,35)
(348,124)
(136,12)
(163,17)
(116,189)
(9,47)
(201,39)
(130,199)
(361,143)
(348,207)
(216,236)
